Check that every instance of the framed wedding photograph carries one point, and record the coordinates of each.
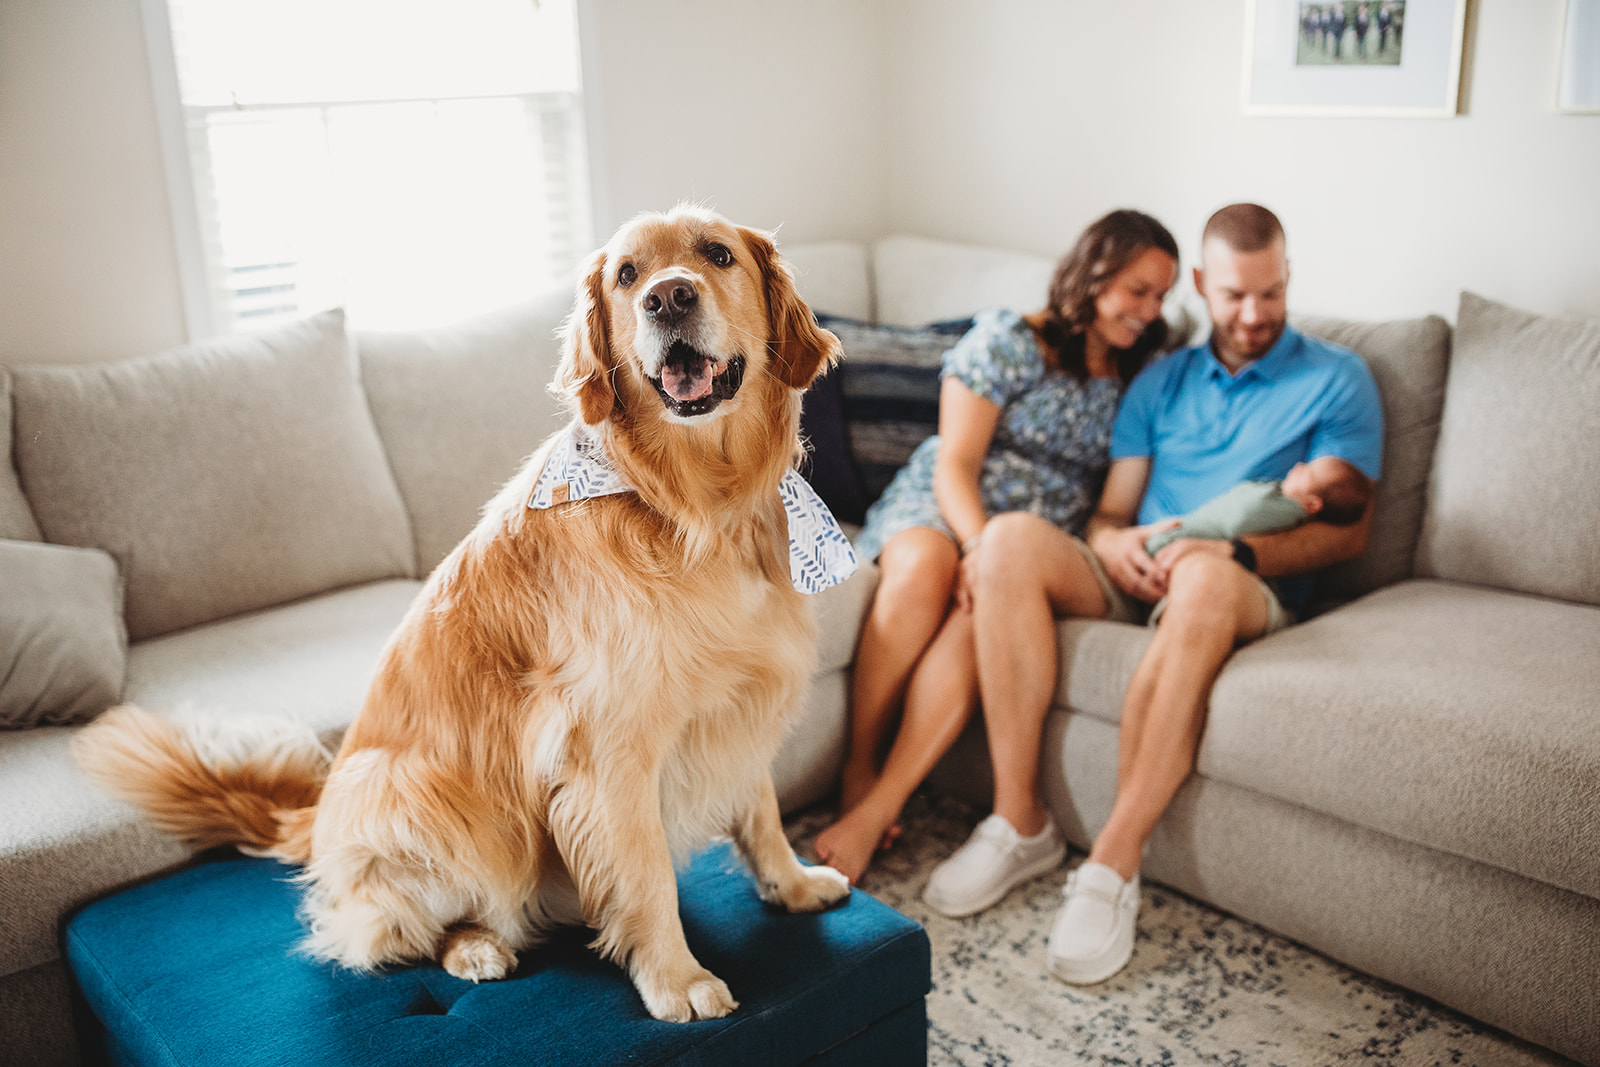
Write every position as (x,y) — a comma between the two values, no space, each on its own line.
(1398,58)
(1580,59)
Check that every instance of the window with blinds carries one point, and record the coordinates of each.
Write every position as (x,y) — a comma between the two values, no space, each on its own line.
(413,161)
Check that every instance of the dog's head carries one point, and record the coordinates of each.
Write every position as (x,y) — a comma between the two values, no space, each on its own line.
(678,314)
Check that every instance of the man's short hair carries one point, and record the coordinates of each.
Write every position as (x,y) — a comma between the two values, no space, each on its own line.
(1243,228)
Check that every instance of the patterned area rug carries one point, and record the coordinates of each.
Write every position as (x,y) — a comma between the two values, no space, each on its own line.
(1202,988)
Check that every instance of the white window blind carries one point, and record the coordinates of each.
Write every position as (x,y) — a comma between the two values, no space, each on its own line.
(413,161)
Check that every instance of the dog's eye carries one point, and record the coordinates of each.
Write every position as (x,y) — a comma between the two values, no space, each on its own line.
(719,255)
(626,275)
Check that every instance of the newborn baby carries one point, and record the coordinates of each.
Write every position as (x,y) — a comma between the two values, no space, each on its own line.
(1327,487)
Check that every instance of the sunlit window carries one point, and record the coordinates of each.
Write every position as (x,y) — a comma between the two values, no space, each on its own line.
(413,161)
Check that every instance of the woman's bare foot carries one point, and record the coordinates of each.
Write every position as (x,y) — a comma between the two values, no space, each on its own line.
(849,844)
(854,785)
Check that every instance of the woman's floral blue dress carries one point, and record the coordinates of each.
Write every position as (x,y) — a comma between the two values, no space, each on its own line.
(1050,448)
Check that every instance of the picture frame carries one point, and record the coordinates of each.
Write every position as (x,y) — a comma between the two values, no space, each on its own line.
(1365,58)
(1579,90)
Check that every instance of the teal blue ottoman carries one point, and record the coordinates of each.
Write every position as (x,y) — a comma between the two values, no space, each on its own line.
(201,968)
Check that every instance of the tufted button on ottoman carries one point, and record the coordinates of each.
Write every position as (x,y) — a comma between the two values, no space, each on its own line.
(201,968)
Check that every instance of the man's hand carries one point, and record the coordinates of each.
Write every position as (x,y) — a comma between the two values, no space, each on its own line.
(1122,554)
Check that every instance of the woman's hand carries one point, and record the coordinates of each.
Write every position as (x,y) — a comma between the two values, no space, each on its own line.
(967,580)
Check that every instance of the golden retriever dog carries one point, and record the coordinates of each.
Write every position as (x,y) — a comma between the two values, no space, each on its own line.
(582,694)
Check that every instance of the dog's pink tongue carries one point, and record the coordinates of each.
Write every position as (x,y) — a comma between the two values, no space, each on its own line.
(686,381)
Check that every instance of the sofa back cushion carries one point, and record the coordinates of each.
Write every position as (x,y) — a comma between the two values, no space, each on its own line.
(16,517)
(1408,360)
(919,280)
(225,476)
(1514,498)
(832,277)
(862,420)
(460,407)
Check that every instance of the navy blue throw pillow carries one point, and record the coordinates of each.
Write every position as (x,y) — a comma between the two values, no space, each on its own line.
(828,466)
(864,418)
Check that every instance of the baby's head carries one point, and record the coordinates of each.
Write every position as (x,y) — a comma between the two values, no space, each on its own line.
(1330,489)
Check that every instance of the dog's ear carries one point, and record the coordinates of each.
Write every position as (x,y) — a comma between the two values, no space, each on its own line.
(586,368)
(800,348)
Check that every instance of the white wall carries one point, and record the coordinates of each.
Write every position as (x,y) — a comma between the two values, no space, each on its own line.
(88,268)
(1019,121)
(770,112)
(1008,122)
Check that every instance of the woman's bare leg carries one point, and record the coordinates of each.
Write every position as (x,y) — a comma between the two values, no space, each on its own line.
(1029,574)
(939,703)
(918,570)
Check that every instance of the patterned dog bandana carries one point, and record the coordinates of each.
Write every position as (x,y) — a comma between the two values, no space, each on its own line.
(819,553)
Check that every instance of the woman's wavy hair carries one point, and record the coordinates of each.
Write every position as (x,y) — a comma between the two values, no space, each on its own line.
(1109,244)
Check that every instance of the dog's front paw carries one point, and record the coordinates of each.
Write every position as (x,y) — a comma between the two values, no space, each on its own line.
(704,996)
(817,888)
(478,956)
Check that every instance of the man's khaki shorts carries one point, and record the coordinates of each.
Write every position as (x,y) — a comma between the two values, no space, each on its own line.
(1124,608)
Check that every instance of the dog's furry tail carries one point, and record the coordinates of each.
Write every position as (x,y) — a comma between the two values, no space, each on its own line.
(247,782)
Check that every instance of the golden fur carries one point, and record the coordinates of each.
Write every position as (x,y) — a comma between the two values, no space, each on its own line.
(579,695)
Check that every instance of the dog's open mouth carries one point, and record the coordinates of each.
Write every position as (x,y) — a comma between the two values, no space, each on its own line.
(692,384)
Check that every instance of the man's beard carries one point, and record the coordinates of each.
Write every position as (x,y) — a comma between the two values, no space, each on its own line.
(1237,350)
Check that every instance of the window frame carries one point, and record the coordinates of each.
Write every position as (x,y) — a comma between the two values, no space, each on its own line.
(199,300)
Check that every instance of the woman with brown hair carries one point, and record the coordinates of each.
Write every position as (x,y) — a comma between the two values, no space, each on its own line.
(1026,404)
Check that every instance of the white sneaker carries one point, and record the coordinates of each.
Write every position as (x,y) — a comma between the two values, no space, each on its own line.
(994,861)
(1092,937)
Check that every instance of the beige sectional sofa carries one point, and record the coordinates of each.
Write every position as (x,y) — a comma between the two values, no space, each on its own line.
(1409,781)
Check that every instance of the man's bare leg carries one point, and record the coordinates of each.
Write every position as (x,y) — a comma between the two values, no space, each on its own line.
(1213,605)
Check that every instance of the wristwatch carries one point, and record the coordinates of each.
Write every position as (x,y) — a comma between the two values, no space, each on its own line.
(1244,555)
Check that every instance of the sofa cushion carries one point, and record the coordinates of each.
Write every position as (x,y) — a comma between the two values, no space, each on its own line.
(460,407)
(832,277)
(1408,360)
(63,646)
(805,770)
(1515,494)
(840,610)
(310,660)
(1095,662)
(1449,716)
(920,280)
(225,476)
(16,517)
(62,842)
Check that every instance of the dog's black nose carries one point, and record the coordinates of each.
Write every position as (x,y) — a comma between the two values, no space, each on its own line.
(670,300)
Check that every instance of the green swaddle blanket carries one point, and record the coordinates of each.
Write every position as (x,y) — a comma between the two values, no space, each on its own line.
(1247,508)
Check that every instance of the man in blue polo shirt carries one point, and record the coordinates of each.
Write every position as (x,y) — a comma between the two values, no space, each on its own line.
(1254,400)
